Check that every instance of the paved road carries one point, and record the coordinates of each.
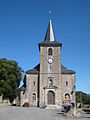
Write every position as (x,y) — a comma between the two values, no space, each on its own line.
(20,113)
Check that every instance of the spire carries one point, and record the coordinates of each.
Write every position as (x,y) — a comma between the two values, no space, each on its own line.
(49,37)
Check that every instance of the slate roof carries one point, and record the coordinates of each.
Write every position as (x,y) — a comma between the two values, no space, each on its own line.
(36,70)
(32,71)
(22,88)
(66,70)
(50,39)
(50,36)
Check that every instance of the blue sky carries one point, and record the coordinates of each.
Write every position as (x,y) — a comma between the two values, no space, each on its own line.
(23,25)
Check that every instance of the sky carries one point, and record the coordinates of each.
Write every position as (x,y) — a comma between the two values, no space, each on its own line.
(23,24)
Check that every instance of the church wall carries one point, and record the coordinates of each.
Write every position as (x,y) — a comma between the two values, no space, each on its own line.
(68,85)
(50,70)
(55,66)
(50,86)
(31,90)
(23,98)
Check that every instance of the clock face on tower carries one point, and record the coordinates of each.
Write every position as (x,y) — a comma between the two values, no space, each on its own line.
(50,60)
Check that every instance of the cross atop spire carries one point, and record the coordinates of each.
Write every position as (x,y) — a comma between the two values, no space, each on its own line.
(50,15)
(49,37)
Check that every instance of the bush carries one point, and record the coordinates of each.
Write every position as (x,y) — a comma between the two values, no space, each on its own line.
(26,104)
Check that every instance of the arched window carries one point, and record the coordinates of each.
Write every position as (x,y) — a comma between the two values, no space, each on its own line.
(34,96)
(34,83)
(50,51)
(67,96)
(66,83)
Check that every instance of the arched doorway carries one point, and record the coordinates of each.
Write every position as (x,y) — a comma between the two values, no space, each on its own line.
(51,98)
(67,96)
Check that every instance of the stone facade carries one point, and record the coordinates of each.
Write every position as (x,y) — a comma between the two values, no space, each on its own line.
(50,71)
(49,83)
(30,94)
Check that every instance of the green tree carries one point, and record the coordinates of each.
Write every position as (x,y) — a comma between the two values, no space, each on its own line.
(88,99)
(10,76)
(82,97)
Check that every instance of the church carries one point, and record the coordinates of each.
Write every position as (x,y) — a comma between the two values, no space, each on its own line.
(48,84)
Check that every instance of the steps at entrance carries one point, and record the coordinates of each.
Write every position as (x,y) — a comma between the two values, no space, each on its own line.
(52,107)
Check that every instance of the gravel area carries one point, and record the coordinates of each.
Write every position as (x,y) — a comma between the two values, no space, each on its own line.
(33,113)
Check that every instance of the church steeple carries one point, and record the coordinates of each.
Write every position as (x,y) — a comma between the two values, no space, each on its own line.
(50,36)
(49,39)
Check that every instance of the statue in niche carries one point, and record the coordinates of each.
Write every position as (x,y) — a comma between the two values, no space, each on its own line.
(50,82)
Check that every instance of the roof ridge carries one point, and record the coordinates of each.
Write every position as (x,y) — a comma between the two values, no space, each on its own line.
(64,70)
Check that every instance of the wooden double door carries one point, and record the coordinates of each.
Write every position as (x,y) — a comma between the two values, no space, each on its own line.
(51,98)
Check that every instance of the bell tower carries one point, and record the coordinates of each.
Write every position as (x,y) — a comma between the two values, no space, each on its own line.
(50,69)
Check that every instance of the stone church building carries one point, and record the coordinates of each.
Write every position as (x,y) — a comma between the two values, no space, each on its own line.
(49,83)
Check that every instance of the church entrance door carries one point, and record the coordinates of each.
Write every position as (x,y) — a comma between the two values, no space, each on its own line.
(51,98)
